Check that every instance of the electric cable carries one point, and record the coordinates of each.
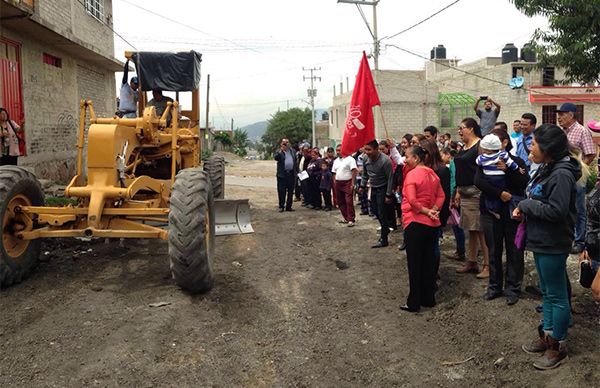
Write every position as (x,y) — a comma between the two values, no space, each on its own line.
(420,22)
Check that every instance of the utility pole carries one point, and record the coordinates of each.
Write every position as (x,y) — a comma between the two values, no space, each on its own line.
(312,93)
(374,31)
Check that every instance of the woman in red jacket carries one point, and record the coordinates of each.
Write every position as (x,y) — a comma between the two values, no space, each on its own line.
(422,199)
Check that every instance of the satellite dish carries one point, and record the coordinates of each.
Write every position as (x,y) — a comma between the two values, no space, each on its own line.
(516,83)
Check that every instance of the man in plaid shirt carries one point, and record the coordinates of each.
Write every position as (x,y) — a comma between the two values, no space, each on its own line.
(580,138)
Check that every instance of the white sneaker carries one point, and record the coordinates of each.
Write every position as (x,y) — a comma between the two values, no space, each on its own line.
(350,224)
(378,228)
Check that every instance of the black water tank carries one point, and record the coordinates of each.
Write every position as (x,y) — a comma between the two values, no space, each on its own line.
(432,56)
(510,53)
(528,53)
(440,52)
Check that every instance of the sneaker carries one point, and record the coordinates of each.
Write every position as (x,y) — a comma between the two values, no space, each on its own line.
(512,300)
(378,228)
(342,222)
(350,224)
(280,210)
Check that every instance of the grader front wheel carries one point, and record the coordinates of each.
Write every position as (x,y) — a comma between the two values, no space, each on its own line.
(18,257)
(192,231)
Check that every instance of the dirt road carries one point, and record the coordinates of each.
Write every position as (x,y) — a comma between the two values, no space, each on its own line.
(281,314)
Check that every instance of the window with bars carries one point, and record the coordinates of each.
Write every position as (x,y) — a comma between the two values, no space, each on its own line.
(549,114)
(51,60)
(95,8)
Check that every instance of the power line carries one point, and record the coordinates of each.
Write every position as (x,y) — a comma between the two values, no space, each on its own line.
(420,22)
(489,79)
(194,28)
(364,18)
(110,27)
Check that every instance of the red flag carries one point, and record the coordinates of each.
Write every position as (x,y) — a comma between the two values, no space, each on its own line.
(360,124)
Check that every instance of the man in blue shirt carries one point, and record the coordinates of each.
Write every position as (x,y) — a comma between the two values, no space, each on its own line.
(528,122)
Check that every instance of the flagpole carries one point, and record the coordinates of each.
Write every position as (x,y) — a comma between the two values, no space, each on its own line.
(387,135)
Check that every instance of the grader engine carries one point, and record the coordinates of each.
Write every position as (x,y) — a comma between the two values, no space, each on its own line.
(143,178)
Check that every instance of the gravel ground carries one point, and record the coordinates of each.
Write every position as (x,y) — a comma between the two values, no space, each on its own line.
(281,313)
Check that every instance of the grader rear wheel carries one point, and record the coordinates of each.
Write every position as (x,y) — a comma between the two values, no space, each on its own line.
(192,231)
(215,168)
(18,257)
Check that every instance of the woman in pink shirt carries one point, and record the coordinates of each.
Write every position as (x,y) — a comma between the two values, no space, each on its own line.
(422,199)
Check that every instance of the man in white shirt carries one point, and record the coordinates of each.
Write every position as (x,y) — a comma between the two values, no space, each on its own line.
(345,170)
(128,95)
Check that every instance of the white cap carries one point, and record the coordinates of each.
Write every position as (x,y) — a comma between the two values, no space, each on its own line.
(491,143)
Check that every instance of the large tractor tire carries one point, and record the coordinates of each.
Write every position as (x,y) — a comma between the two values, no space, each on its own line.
(192,231)
(18,258)
(215,168)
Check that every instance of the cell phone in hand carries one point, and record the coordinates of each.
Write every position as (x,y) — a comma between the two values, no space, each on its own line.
(483,97)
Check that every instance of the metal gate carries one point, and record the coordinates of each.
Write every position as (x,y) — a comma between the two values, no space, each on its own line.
(11,97)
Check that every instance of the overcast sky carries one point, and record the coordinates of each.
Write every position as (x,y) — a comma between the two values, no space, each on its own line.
(255,50)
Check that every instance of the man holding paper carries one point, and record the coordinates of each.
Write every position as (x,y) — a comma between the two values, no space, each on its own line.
(286,175)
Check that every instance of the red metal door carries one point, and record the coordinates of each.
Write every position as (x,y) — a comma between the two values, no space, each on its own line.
(11,98)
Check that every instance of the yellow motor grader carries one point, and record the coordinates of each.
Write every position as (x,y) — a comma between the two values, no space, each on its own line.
(142,178)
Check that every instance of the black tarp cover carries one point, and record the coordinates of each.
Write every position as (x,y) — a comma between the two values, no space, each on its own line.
(175,72)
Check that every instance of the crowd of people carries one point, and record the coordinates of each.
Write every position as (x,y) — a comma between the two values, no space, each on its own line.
(507,192)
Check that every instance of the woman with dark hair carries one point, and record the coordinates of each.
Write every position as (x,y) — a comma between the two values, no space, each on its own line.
(422,199)
(500,228)
(468,196)
(405,143)
(12,141)
(416,139)
(433,160)
(550,213)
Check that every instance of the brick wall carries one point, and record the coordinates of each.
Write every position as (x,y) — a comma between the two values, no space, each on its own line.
(70,18)
(51,104)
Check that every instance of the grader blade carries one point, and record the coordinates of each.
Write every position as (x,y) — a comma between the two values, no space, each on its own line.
(232,216)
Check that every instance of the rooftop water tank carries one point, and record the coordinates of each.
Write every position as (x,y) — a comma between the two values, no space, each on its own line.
(528,53)
(440,51)
(510,53)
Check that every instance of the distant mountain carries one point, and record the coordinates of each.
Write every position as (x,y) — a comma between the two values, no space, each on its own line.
(256,130)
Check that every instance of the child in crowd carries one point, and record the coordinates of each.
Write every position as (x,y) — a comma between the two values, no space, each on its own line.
(326,180)
(447,155)
(488,160)
(362,197)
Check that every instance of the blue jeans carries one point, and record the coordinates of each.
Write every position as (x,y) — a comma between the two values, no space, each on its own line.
(551,270)
(581,215)
(459,236)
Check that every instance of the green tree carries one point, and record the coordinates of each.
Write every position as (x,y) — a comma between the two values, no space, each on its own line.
(293,124)
(572,41)
(224,139)
(240,142)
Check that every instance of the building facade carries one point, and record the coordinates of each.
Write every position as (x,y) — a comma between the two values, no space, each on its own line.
(445,92)
(52,54)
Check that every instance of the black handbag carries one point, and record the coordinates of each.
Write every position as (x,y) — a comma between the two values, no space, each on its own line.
(586,274)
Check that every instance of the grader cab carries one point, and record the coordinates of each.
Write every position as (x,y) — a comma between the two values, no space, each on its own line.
(143,178)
